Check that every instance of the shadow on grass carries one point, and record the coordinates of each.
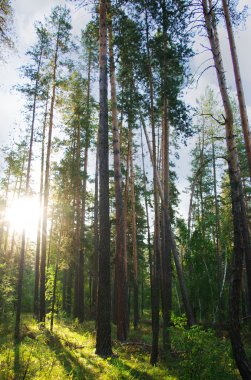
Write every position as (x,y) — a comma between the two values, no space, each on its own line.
(134,373)
(70,363)
(17,361)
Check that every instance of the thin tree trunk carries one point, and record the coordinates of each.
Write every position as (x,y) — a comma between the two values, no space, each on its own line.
(18,196)
(81,290)
(166,275)
(38,243)
(96,242)
(150,259)
(156,261)
(69,285)
(64,285)
(176,256)
(134,237)
(238,82)
(5,205)
(103,338)
(126,191)
(50,239)
(217,222)
(8,225)
(77,240)
(166,259)
(55,282)
(42,310)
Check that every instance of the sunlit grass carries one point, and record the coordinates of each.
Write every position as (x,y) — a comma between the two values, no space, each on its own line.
(69,353)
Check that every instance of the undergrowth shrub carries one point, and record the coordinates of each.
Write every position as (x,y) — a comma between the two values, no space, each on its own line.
(203,355)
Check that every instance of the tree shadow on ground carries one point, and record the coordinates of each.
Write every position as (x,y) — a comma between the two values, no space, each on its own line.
(133,372)
(17,367)
(70,363)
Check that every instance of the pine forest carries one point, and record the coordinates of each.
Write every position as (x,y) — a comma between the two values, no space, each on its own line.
(125,189)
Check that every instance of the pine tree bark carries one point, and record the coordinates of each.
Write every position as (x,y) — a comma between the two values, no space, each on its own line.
(55,281)
(103,338)
(238,82)
(77,245)
(134,236)
(38,242)
(126,196)
(238,207)
(166,258)
(217,222)
(96,241)
(69,286)
(120,275)
(156,259)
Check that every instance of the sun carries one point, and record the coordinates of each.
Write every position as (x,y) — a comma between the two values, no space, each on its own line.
(23,213)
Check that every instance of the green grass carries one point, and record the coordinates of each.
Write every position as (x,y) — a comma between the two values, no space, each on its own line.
(69,353)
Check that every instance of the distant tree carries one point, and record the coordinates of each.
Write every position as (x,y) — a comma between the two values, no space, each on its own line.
(6,14)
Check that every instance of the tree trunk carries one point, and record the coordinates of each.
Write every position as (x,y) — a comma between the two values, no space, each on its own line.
(103,338)
(176,256)
(64,286)
(217,222)
(95,243)
(134,237)
(38,243)
(156,260)
(238,82)
(166,259)
(81,290)
(120,275)
(69,285)
(77,242)
(237,200)
(150,259)
(46,191)
(4,207)
(126,191)
(55,282)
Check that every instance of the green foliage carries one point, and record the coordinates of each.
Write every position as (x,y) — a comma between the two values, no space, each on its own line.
(6,22)
(7,292)
(203,354)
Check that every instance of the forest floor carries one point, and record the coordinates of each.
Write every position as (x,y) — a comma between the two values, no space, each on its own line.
(69,353)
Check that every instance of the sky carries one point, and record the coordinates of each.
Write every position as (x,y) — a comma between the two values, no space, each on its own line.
(26,12)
